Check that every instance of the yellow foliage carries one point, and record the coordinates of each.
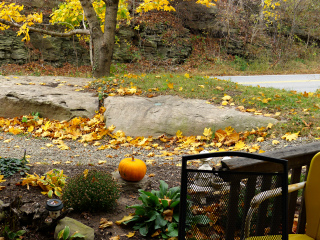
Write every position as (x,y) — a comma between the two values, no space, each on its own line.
(2,180)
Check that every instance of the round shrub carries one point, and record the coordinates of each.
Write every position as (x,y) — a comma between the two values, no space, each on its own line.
(92,190)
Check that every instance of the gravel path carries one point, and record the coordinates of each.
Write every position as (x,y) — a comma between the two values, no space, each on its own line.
(39,152)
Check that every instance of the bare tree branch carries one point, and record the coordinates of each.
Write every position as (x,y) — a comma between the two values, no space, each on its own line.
(52,33)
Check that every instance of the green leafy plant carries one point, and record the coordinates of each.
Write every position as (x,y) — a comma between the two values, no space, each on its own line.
(92,190)
(10,166)
(65,234)
(52,182)
(159,212)
(8,234)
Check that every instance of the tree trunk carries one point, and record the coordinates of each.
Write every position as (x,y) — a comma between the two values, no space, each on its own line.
(103,43)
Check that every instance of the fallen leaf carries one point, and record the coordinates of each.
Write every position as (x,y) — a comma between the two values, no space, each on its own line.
(105,223)
(290,136)
(275,142)
(130,234)
(226,98)
(170,85)
(115,238)
(151,175)
(125,218)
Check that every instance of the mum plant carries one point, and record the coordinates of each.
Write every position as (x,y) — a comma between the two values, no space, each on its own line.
(92,190)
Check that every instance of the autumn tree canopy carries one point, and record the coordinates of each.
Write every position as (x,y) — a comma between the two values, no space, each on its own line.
(96,19)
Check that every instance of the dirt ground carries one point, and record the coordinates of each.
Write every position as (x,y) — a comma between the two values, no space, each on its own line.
(168,173)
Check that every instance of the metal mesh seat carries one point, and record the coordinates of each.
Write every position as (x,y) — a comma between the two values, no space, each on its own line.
(215,204)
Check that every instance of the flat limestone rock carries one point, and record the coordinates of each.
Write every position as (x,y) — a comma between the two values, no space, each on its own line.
(138,116)
(128,186)
(52,97)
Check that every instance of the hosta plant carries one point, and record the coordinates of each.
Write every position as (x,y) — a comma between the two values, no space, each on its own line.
(158,214)
(92,190)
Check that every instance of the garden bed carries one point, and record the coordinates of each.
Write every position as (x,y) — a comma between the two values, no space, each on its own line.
(169,173)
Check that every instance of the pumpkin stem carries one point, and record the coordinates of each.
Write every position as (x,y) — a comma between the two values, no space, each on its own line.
(132,158)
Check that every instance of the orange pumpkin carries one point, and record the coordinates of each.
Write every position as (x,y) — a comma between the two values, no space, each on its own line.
(132,169)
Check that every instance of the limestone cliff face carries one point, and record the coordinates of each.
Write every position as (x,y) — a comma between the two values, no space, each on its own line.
(162,40)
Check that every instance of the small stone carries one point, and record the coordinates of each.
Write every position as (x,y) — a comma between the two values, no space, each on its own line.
(128,186)
(75,226)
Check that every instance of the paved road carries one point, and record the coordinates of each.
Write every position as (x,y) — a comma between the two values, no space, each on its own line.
(300,83)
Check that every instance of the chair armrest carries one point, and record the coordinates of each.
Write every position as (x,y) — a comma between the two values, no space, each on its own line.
(296,186)
(259,198)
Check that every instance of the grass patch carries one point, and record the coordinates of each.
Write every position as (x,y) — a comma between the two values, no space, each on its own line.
(298,112)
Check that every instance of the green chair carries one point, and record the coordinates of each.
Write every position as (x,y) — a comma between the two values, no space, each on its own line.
(312,202)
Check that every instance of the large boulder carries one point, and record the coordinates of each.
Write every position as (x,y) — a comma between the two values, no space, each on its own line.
(51,97)
(75,226)
(138,116)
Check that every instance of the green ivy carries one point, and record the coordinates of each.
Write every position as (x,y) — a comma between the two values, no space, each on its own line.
(10,166)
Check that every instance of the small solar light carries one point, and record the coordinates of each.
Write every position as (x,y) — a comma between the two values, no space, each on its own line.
(54,207)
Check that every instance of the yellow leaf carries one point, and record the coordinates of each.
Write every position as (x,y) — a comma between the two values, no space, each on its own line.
(186,75)
(151,175)
(290,137)
(115,238)
(1,178)
(220,135)
(125,218)
(179,134)
(202,86)
(156,233)
(85,173)
(101,162)
(270,125)
(229,130)
(260,139)
(30,129)
(63,147)
(105,223)
(275,142)
(239,145)
(130,234)
(226,98)
(150,161)
(224,103)
(207,132)
(170,85)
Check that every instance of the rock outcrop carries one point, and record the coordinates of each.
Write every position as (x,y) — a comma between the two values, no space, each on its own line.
(50,97)
(138,116)
(63,98)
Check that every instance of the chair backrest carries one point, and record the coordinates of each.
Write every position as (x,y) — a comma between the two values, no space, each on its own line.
(312,198)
